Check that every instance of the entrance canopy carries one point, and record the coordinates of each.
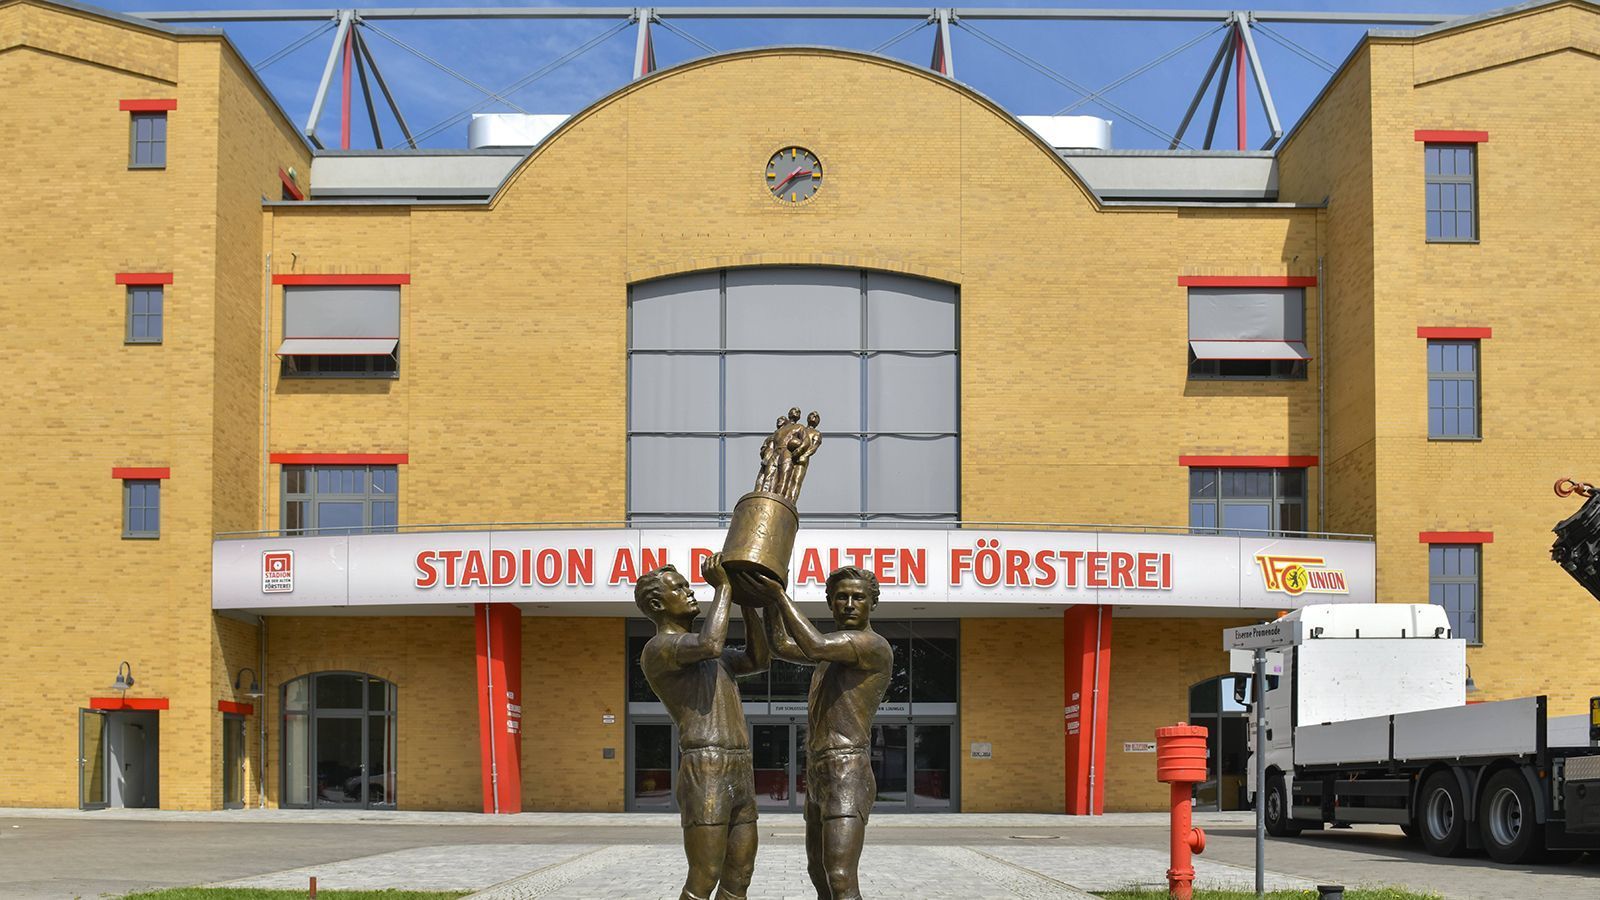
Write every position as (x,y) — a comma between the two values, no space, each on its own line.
(930,571)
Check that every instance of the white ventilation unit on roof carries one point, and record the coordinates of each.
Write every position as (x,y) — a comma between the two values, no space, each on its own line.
(510,129)
(1071,132)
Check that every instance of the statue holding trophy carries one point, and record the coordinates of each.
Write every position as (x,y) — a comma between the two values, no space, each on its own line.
(693,674)
(765,521)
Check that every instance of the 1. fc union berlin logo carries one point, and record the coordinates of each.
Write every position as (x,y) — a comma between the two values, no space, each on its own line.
(1296,575)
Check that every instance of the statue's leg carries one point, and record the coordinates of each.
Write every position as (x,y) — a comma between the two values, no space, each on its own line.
(706,846)
(814,864)
(841,844)
(740,863)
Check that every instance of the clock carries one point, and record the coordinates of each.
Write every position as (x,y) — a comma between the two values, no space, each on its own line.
(794,175)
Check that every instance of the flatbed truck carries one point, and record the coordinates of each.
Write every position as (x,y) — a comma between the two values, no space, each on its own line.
(1369,722)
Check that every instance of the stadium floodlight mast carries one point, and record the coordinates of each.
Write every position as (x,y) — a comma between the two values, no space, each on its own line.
(1237,49)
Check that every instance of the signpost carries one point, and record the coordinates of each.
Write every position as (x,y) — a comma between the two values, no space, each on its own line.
(1260,639)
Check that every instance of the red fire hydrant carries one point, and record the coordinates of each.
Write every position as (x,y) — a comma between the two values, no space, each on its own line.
(1181,762)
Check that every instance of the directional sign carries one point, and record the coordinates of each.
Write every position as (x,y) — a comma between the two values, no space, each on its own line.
(1266,636)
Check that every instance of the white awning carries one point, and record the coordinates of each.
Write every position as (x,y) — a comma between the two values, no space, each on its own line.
(1249,350)
(337,347)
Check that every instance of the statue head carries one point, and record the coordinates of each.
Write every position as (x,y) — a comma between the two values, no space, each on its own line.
(782,422)
(664,595)
(814,419)
(794,413)
(852,595)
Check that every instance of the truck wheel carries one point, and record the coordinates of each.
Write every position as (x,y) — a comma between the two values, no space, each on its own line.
(1277,813)
(1442,815)
(1506,819)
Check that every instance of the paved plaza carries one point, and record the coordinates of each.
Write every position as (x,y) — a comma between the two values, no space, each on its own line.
(64,854)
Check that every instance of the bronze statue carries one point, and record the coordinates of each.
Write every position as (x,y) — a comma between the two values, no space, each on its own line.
(853,668)
(693,674)
(762,531)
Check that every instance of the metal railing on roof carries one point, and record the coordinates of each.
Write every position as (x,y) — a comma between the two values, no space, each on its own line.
(1236,49)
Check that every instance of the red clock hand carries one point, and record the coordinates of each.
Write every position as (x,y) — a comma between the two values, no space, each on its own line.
(792,176)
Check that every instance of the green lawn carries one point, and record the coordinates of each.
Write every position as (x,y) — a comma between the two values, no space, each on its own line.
(1349,894)
(266,894)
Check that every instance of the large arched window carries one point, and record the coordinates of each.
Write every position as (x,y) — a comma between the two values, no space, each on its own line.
(338,741)
(715,357)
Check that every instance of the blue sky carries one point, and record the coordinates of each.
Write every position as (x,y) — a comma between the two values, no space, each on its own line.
(497,53)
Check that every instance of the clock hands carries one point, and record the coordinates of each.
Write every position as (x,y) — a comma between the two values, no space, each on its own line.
(792,176)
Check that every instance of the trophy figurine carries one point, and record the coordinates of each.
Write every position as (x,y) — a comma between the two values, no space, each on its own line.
(761,534)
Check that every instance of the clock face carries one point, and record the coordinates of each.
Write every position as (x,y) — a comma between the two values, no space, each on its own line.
(794,174)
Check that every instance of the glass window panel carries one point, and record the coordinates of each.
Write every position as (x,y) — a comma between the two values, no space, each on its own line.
(296,767)
(652,766)
(1451,392)
(295,515)
(1292,484)
(1433,195)
(790,681)
(674,393)
(638,686)
(1431,155)
(910,313)
(889,763)
(898,634)
(673,474)
(1435,225)
(930,776)
(1469,561)
(297,694)
(911,392)
(794,309)
(911,475)
(1203,514)
(1291,517)
(762,387)
(1246,483)
(832,483)
(333,518)
(1250,517)
(1468,422)
(1205,697)
(934,667)
(377,694)
(1435,356)
(1203,483)
(339,691)
(683,313)
(383,514)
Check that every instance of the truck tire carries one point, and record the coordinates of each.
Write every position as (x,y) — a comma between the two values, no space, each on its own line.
(1506,819)
(1442,815)
(1277,812)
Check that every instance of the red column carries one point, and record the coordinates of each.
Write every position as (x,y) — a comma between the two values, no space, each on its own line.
(499,630)
(1086,649)
(1238,83)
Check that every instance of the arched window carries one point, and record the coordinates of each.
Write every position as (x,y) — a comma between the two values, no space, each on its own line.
(338,741)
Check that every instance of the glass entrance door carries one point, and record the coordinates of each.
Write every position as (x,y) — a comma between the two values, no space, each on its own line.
(92,792)
(340,762)
(771,749)
(233,757)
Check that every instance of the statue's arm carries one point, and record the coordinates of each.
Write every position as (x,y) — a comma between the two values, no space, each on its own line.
(757,653)
(713,636)
(783,645)
(814,645)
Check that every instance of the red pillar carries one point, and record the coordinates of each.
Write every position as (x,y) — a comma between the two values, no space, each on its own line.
(1238,82)
(1086,648)
(499,630)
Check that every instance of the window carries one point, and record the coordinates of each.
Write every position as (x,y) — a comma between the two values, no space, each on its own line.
(1453,390)
(1454,582)
(340,331)
(1254,501)
(1452,192)
(322,500)
(141,508)
(715,357)
(148,139)
(144,314)
(1247,333)
(339,741)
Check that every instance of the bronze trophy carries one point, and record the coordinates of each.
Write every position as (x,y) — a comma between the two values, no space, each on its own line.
(761,535)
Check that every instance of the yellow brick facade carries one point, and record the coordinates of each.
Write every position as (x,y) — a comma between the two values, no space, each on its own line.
(510,405)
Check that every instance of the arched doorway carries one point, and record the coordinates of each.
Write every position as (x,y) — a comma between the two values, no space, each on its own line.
(338,741)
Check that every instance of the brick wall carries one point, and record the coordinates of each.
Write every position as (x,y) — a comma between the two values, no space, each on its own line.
(1011,697)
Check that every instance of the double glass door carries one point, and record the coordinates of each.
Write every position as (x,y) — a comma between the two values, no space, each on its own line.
(911,761)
